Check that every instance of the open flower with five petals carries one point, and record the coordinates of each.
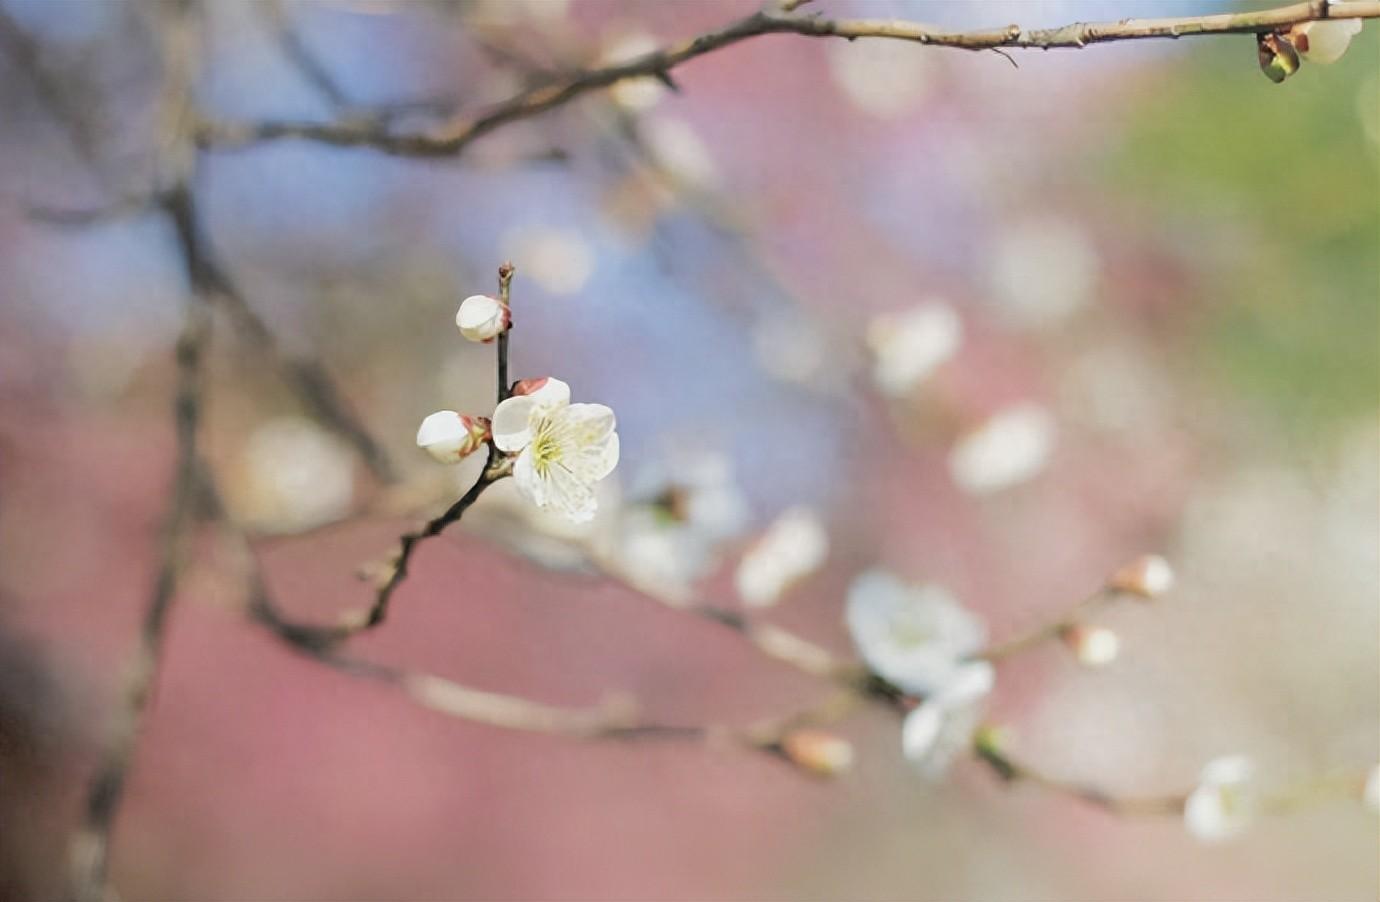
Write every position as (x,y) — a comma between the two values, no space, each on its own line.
(913,636)
(562,449)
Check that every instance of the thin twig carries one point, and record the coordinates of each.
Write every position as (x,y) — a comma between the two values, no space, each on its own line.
(1009,770)
(1051,629)
(450,138)
(90,848)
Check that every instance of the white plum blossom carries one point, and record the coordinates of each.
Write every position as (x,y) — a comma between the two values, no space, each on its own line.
(694,505)
(1370,793)
(449,437)
(562,449)
(913,636)
(1324,41)
(794,546)
(482,318)
(1225,800)
(942,726)
(1009,448)
(907,347)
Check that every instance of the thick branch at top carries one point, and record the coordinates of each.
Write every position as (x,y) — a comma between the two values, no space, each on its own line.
(453,136)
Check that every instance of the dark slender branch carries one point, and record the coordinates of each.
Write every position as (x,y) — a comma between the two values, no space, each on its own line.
(1009,770)
(90,849)
(505,284)
(450,138)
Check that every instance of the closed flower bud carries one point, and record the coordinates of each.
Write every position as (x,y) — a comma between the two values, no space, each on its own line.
(820,752)
(1149,576)
(1278,58)
(449,436)
(1324,41)
(1093,646)
(482,318)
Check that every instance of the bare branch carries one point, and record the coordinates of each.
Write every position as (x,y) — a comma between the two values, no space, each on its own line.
(1009,770)
(90,848)
(449,139)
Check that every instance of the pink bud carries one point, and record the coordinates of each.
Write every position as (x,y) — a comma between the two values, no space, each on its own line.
(1149,576)
(528,386)
(1093,646)
(820,752)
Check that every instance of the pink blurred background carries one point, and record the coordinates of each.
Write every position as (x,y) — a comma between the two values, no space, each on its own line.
(1170,257)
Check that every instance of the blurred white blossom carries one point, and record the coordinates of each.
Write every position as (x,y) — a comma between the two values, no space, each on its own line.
(914,636)
(559,260)
(482,318)
(563,449)
(1324,41)
(793,547)
(672,539)
(1371,793)
(907,347)
(297,475)
(1011,447)
(942,726)
(680,150)
(636,94)
(1042,270)
(886,79)
(1225,801)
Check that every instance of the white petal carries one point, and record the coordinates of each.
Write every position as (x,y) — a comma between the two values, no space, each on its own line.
(968,683)
(512,423)
(1226,770)
(908,347)
(920,730)
(1224,803)
(557,490)
(1371,793)
(794,546)
(481,318)
(597,461)
(913,636)
(1328,40)
(1008,449)
(552,395)
(441,426)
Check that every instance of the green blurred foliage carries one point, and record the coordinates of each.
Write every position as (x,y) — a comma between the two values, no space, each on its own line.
(1283,192)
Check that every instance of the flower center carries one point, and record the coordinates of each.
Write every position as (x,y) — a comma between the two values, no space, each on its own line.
(546,447)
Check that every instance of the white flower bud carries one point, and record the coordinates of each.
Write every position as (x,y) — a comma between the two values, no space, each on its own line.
(1093,646)
(482,318)
(1225,801)
(820,752)
(1149,576)
(449,436)
(1324,41)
